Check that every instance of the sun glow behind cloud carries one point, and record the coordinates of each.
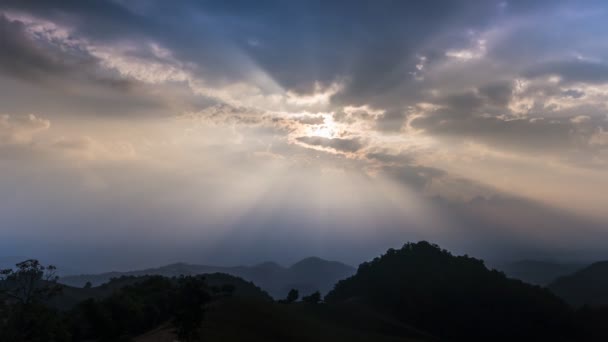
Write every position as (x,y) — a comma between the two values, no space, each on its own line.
(225,128)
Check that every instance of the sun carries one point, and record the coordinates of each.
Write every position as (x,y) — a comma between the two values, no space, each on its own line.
(322,131)
(327,129)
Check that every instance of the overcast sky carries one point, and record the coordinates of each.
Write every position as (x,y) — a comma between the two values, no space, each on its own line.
(138,133)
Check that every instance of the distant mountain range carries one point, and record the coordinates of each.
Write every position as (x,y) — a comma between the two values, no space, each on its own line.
(539,272)
(308,275)
(588,286)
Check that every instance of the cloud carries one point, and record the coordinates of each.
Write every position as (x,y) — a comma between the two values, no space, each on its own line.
(498,93)
(21,129)
(391,120)
(44,53)
(241,105)
(311,119)
(338,144)
(22,56)
(572,71)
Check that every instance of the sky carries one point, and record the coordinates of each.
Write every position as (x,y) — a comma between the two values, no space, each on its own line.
(138,133)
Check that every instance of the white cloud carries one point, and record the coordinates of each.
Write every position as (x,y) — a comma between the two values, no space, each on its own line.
(476,52)
(321,95)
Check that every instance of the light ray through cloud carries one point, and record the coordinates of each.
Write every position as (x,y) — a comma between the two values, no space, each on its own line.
(283,131)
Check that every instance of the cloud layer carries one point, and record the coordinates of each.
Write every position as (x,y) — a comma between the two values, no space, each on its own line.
(227,120)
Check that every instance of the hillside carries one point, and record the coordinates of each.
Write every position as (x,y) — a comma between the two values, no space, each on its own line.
(454,297)
(539,272)
(241,319)
(588,286)
(70,296)
(308,275)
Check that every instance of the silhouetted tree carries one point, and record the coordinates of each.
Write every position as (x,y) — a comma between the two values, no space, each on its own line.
(24,315)
(29,282)
(313,298)
(88,285)
(292,296)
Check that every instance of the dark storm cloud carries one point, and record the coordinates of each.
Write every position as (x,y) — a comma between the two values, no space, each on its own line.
(338,144)
(25,57)
(101,19)
(299,43)
(372,50)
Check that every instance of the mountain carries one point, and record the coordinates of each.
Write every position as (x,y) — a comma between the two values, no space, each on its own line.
(587,286)
(454,297)
(308,275)
(539,272)
(314,274)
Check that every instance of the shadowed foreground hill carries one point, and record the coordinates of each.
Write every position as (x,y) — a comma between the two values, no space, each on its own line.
(70,296)
(455,297)
(308,275)
(240,319)
(588,286)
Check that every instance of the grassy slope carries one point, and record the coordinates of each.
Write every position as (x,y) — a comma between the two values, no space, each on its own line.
(239,319)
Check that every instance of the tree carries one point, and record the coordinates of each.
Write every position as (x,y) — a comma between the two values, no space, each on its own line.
(313,298)
(30,282)
(88,285)
(25,315)
(292,296)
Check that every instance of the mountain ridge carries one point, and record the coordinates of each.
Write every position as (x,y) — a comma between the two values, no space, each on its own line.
(588,286)
(540,272)
(307,275)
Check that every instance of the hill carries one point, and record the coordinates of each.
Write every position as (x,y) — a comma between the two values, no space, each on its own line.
(308,275)
(539,272)
(71,296)
(454,297)
(588,286)
(417,293)
(242,319)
